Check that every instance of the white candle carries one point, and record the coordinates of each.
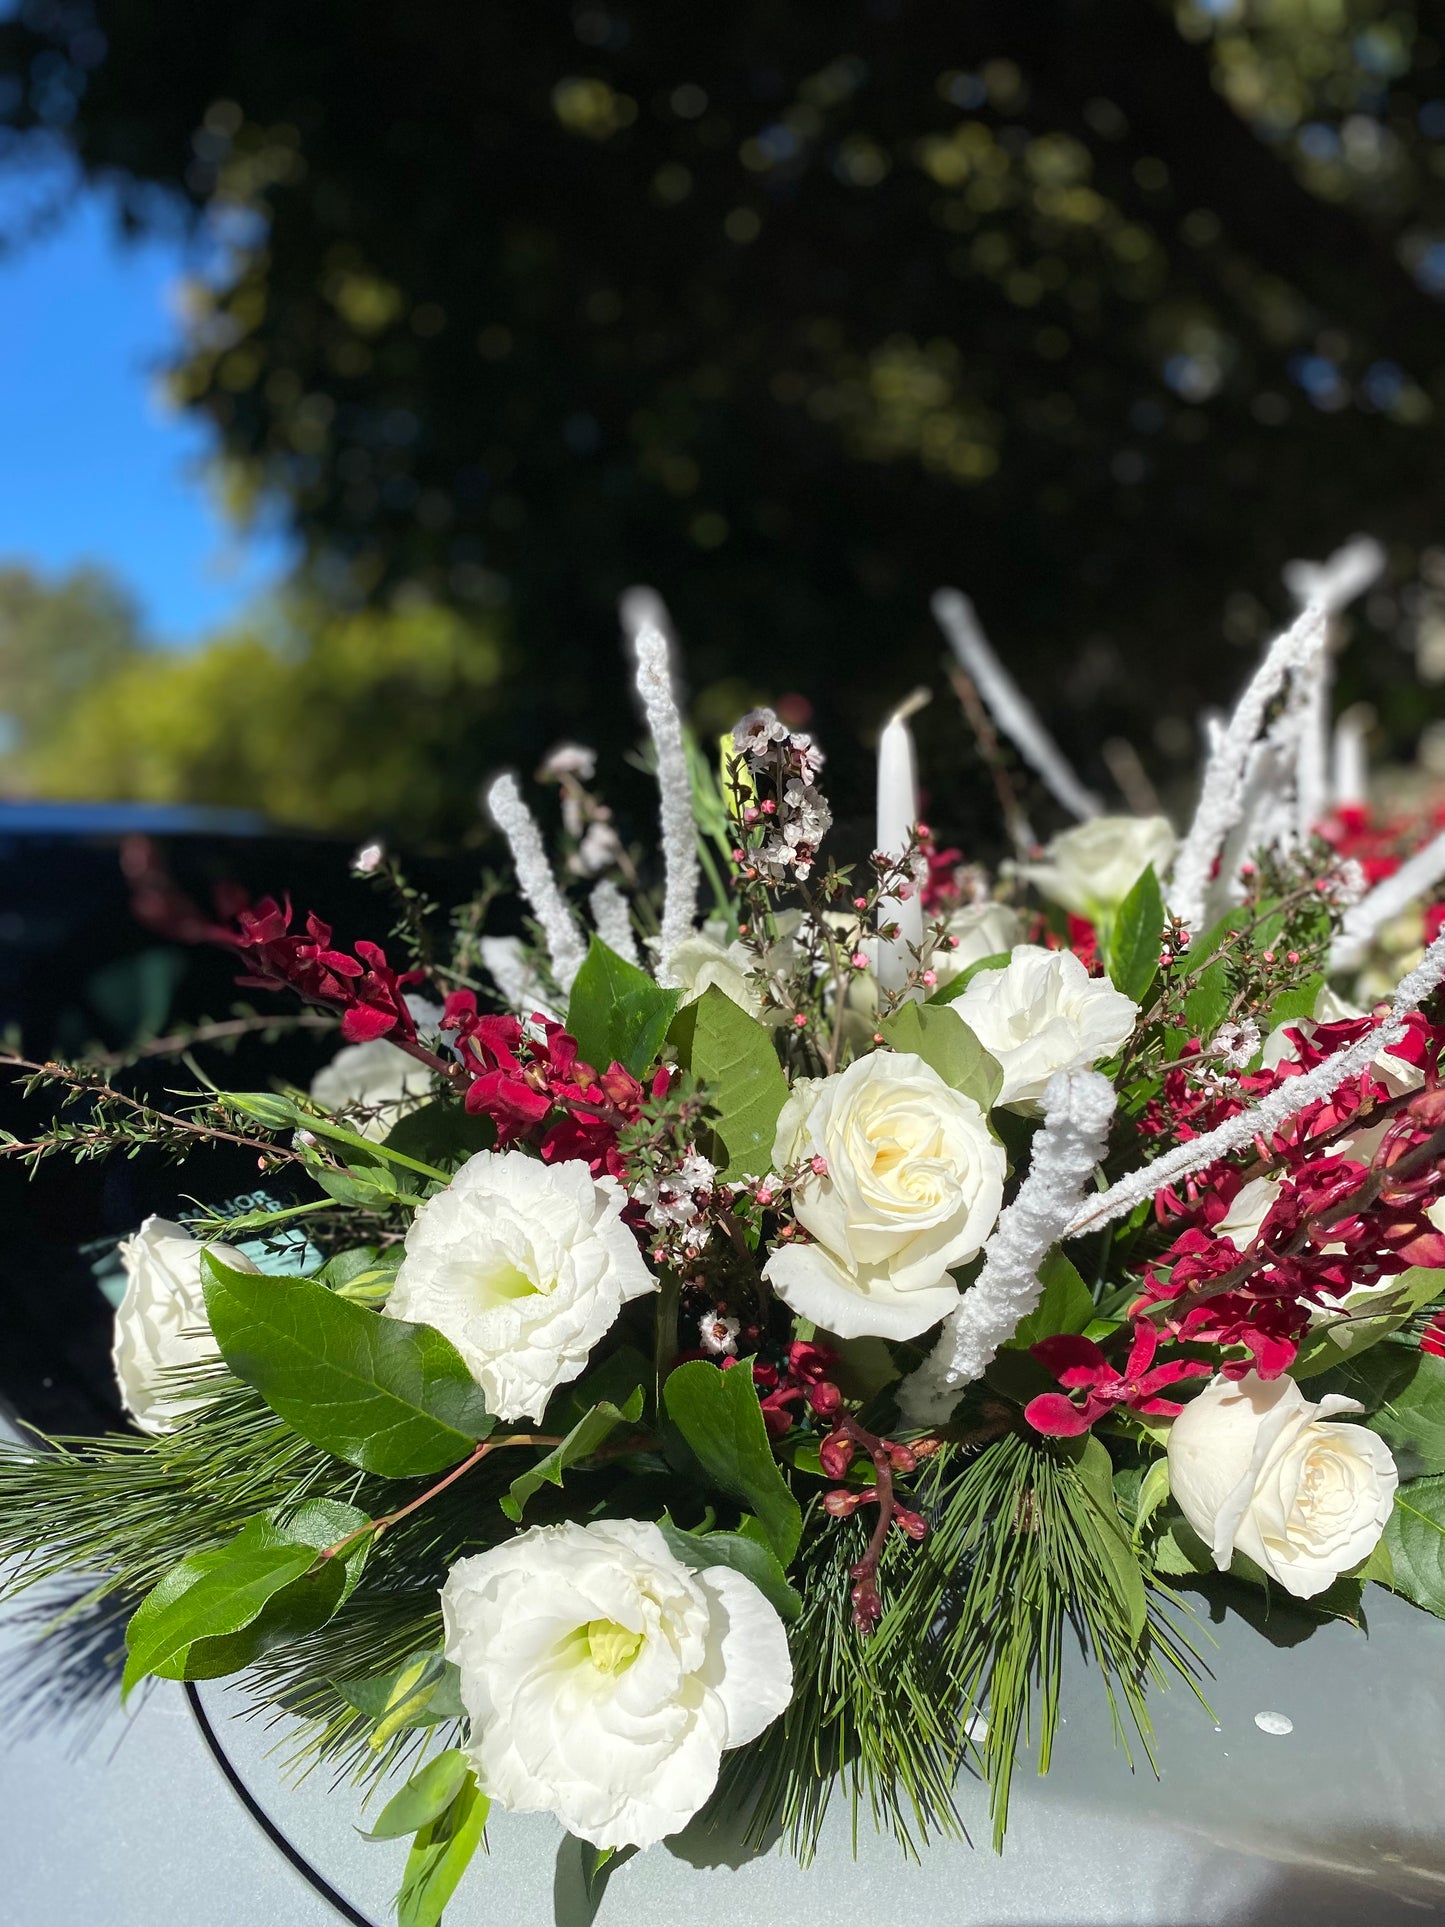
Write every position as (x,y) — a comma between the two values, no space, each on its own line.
(897,817)
(1351,763)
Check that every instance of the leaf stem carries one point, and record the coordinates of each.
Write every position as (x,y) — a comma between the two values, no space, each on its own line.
(474,1458)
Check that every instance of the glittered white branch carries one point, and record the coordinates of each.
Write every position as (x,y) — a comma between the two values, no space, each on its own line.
(565,945)
(1276,1107)
(1078,1109)
(614,920)
(1385,902)
(645,621)
(1011,710)
(1222,789)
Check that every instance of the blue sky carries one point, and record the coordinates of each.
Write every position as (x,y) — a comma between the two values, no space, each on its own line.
(92,466)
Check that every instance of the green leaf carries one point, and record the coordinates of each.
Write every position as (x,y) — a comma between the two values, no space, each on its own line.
(1403,1390)
(948,1046)
(365,1275)
(742,1553)
(391,1397)
(1136,937)
(1066,1304)
(1337,1343)
(1291,1005)
(284,1113)
(1153,1491)
(443,1134)
(440,1855)
(1095,1470)
(1180,1553)
(1206,1003)
(580,1443)
(424,1798)
(734,1057)
(1415,1541)
(720,1419)
(956,986)
(422,1691)
(617,1013)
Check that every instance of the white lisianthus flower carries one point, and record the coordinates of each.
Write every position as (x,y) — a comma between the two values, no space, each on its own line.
(903,1180)
(1091,868)
(706,958)
(1044,1013)
(1257,1468)
(523,1266)
(982,930)
(604,1679)
(161,1321)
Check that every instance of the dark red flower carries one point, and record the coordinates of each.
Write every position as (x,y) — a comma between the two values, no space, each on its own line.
(1080,1365)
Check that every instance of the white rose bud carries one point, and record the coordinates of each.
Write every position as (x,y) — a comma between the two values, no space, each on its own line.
(1093,867)
(1257,1468)
(604,1679)
(982,930)
(1042,1014)
(903,1180)
(162,1319)
(523,1266)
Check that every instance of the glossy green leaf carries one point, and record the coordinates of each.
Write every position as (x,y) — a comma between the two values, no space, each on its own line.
(442,1133)
(1207,1001)
(617,1013)
(1178,1552)
(733,1056)
(1066,1304)
(580,1443)
(440,1855)
(1095,1471)
(947,1045)
(424,1798)
(1337,1343)
(720,1419)
(1153,1491)
(1403,1392)
(1136,938)
(956,986)
(391,1397)
(742,1553)
(1415,1541)
(1291,1005)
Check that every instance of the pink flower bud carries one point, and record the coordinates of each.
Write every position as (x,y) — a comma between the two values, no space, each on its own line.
(819,1167)
(840,1504)
(825,1398)
(901,1457)
(764,1194)
(913,1523)
(835,1454)
(800,1019)
(860,903)
(930,977)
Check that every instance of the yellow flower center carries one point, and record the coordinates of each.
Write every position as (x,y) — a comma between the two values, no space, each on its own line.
(611,1647)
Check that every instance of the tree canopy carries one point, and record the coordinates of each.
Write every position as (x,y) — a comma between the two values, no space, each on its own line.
(1101,309)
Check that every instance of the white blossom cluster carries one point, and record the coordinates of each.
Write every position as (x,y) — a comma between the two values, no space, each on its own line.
(675,1200)
(800,818)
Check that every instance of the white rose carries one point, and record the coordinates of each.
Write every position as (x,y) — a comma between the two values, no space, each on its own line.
(523,1266)
(161,1321)
(983,930)
(1042,1014)
(1093,867)
(912,1186)
(604,1679)
(1248,1209)
(1256,1469)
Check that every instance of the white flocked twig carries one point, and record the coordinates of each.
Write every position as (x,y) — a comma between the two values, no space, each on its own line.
(1276,1107)
(613,920)
(1013,714)
(565,945)
(1078,1109)
(645,621)
(1414,878)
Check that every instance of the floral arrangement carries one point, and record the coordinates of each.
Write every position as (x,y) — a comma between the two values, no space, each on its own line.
(733,1348)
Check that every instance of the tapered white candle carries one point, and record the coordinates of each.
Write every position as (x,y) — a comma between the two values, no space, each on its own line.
(1351,762)
(897,818)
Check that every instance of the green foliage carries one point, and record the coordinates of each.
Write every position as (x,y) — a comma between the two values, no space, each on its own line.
(303,726)
(955,987)
(440,1855)
(424,1798)
(733,1056)
(1064,1306)
(1414,1542)
(743,1554)
(617,1013)
(1403,1392)
(1410,1291)
(1135,938)
(420,1691)
(581,1442)
(391,1397)
(217,1611)
(948,1046)
(720,1420)
(441,1135)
